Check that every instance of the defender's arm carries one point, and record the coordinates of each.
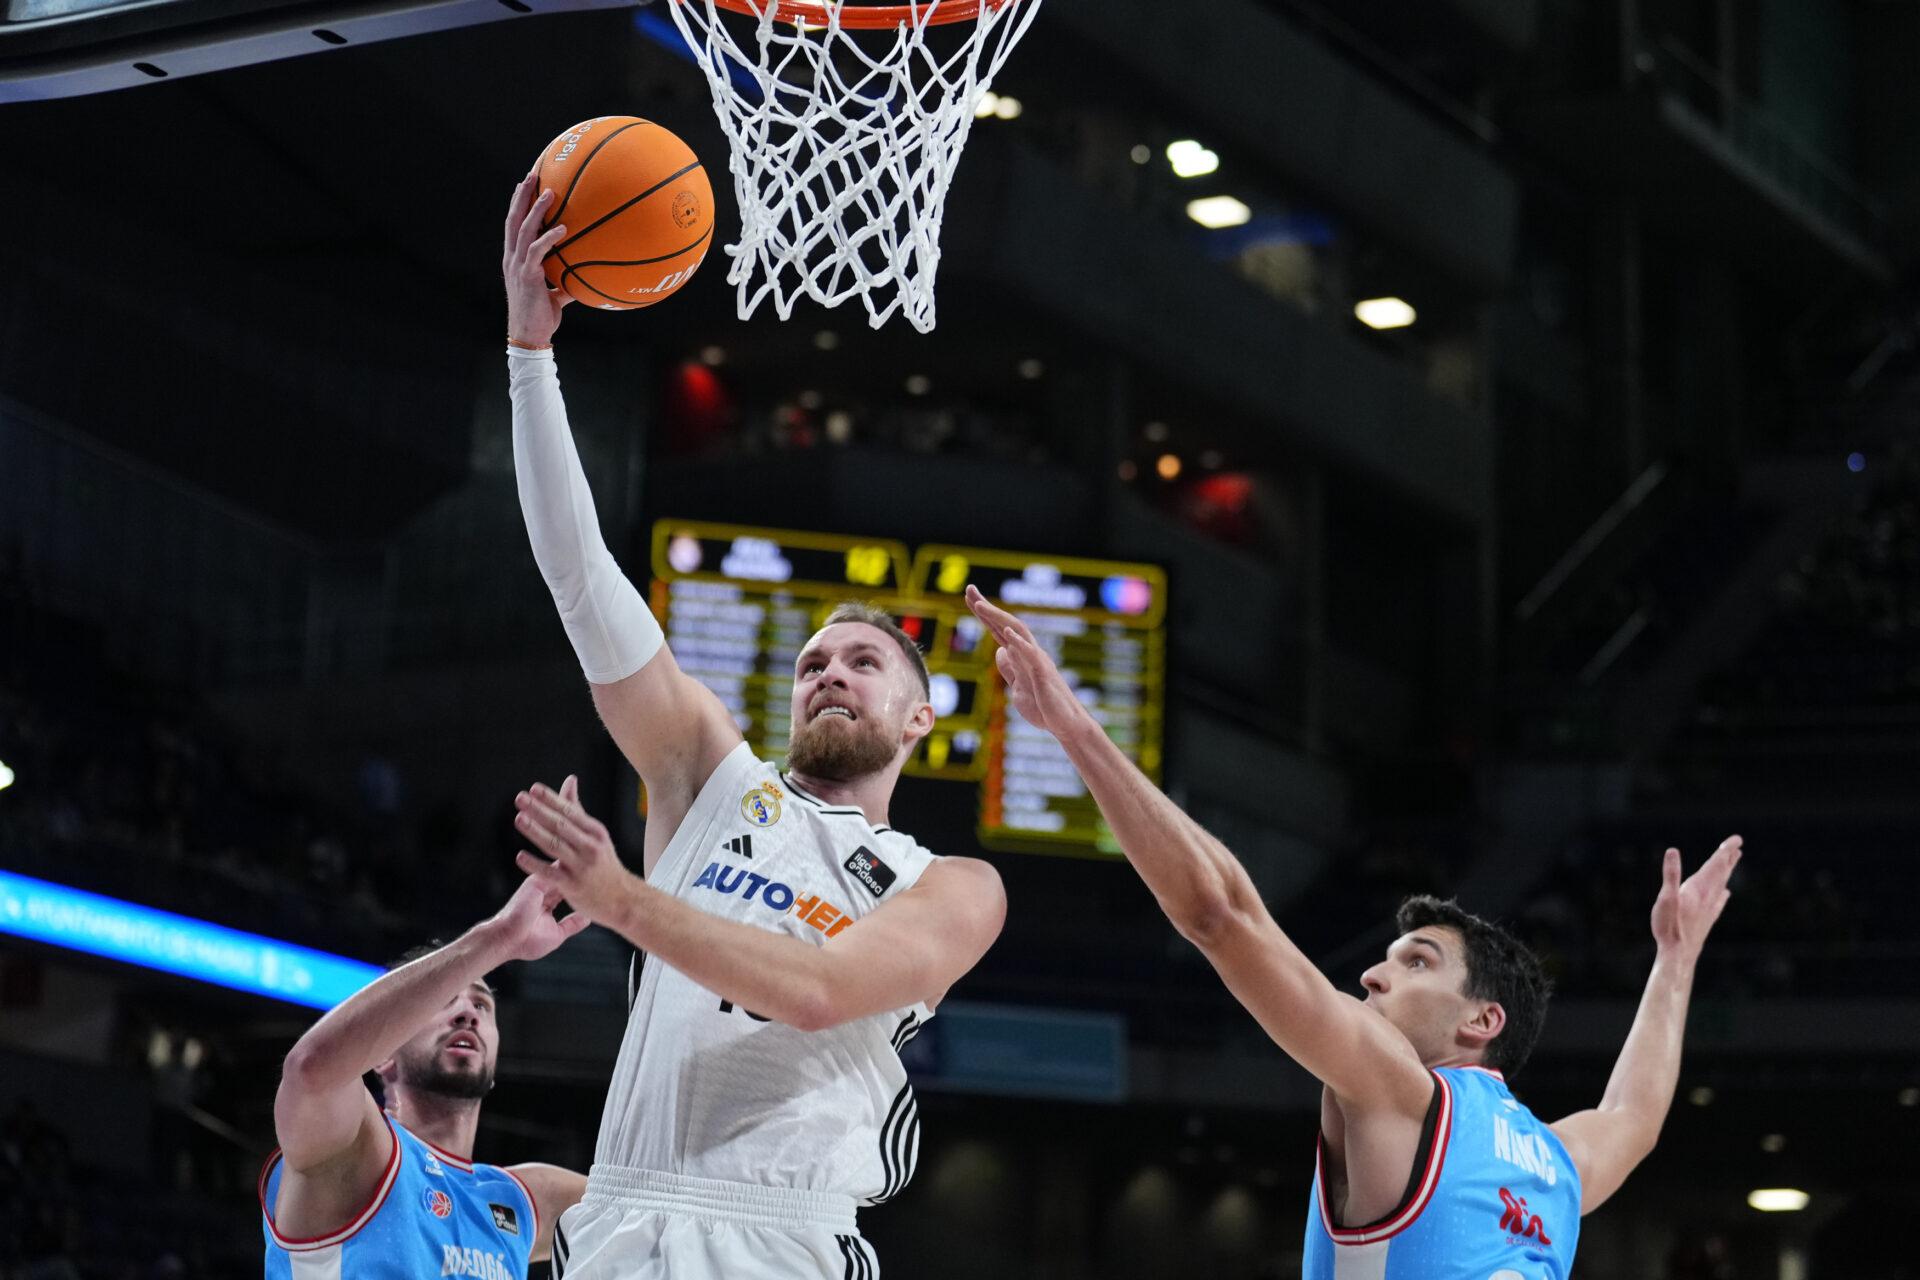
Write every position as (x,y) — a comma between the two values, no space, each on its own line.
(554,1191)
(670,726)
(912,947)
(1208,896)
(1609,1141)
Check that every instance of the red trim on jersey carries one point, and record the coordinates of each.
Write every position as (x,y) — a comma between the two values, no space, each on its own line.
(359,1220)
(532,1204)
(1436,1160)
(463,1163)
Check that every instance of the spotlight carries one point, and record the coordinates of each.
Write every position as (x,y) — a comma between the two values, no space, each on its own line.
(1217,212)
(1156,431)
(713,357)
(1031,369)
(1008,108)
(1778,1200)
(811,400)
(826,340)
(1774,1143)
(1141,153)
(1700,1096)
(1856,462)
(1168,466)
(6,777)
(1384,313)
(919,384)
(1191,160)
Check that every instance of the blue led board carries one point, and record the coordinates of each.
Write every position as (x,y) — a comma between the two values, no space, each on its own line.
(154,939)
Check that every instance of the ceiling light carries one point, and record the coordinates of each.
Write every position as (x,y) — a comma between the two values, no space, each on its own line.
(1168,466)
(1031,369)
(1191,160)
(919,384)
(1700,1095)
(1778,1200)
(1008,108)
(826,340)
(1909,1097)
(988,103)
(713,357)
(1155,431)
(1141,153)
(1774,1143)
(6,777)
(1384,313)
(1216,212)
(811,400)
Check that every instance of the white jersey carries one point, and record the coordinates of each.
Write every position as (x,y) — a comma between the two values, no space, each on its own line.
(704,1089)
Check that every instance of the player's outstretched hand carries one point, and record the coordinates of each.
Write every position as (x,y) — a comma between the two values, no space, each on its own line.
(528,921)
(1034,684)
(585,869)
(1686,909)
(533,307)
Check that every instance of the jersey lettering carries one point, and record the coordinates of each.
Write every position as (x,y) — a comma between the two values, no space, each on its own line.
(456,1261)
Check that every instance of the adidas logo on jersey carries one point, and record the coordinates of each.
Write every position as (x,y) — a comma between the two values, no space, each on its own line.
(1528,1150)
(741,846)
(456,1261)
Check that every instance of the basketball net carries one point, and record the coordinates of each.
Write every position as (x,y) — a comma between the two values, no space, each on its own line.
(842,151)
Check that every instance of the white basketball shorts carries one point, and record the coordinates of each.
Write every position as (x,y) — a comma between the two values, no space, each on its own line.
(637,1224)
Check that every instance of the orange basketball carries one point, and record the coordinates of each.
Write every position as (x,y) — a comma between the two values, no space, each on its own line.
(638,210)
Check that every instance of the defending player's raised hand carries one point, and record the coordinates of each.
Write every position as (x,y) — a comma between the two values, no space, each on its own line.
(1686,910)
(585,869)
(528,922)
(1034,684)
(533,306)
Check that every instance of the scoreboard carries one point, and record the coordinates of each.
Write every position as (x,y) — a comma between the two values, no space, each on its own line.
(738,603)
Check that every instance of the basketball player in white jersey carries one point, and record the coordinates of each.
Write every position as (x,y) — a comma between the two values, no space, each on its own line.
(1430,1169)
(793,940)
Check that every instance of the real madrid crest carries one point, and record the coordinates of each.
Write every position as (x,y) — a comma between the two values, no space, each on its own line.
(761,806)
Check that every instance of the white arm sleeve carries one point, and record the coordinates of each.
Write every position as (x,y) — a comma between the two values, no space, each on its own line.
(613,631)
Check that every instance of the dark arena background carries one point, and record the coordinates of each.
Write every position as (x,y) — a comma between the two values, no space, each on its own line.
(1487,433)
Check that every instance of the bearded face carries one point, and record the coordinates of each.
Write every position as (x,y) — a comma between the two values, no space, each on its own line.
(453,1056)
(856,704)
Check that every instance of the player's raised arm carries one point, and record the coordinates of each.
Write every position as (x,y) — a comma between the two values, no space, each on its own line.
(1210,899)
(669,725)
(1607,1142)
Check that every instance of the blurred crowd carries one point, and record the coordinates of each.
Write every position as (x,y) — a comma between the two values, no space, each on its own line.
(135,791)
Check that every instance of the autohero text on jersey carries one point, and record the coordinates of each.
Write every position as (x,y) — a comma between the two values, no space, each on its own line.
(752,887)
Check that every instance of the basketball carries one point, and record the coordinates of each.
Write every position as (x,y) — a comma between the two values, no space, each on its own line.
(638,210)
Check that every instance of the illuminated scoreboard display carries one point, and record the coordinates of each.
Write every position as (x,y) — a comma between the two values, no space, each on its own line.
(738,603)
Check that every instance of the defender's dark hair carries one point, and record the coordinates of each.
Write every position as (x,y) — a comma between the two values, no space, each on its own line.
(1499,968)
(874,616)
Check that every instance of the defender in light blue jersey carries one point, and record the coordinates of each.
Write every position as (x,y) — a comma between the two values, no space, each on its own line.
(1429,1168)
(359,1193)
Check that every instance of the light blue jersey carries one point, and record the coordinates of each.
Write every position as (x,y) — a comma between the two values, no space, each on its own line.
(1494,1196)
(433,1214)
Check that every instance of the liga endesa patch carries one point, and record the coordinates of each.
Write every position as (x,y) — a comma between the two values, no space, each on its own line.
(870,871)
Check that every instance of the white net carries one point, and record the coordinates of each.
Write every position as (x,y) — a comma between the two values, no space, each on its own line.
(844,143)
